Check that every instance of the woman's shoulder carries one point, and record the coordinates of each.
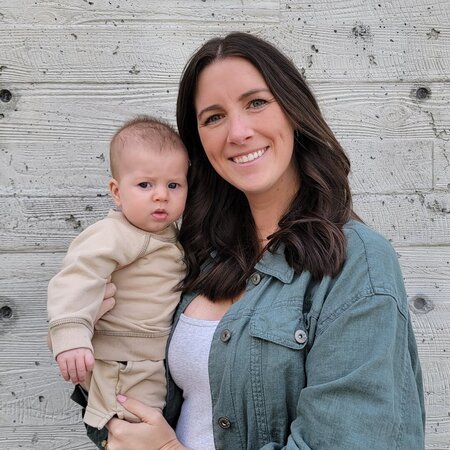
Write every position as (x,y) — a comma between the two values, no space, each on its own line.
(371,269)
(371,261)
(363,239)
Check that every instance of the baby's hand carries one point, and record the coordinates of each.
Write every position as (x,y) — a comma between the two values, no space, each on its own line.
(74,364)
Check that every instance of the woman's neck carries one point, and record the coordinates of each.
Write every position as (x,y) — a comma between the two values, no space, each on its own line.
(270,206)
(267,213)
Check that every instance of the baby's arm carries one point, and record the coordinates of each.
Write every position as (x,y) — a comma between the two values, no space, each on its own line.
(74,364)
(107,304)
(76,293)
(65,359)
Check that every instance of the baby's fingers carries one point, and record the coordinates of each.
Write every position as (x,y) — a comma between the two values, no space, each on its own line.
(75,363)
(63,369)
(89,361)
(80,370)
(72,370)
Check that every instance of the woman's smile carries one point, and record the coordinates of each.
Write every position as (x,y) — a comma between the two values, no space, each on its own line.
(249,157)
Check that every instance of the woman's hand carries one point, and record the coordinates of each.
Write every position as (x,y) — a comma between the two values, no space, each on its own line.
(108,299)
(153,433)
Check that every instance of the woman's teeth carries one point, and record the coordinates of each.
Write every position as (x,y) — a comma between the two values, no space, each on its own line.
(249,157)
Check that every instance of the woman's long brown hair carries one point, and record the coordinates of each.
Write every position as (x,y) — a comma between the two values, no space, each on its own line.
(218,232)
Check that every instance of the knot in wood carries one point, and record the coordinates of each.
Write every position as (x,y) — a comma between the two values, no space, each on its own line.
(422,93)
(5,95)
(421,304)
(6,312)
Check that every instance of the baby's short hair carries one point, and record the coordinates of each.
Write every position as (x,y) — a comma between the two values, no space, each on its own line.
(153,129)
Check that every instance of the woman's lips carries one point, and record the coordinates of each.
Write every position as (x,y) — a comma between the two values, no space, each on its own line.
(249,156)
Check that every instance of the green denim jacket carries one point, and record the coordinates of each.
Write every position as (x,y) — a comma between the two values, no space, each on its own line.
(327,365)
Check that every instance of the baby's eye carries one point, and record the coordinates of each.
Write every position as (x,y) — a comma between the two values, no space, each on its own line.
(144,185)
(172,185)
(213,118)
(257,102)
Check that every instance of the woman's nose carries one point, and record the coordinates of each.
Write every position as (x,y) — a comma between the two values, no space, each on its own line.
(239,130)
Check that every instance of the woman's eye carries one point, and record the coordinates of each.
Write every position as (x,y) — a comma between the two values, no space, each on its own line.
(213,118)
(144,185)
(257,103)
(172,185)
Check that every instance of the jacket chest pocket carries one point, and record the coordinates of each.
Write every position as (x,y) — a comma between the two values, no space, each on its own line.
(277,367)
(283,326)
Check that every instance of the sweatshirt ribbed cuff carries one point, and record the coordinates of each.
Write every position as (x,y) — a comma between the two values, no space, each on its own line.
(68,336)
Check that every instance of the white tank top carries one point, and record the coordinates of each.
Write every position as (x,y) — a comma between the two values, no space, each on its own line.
(188,364)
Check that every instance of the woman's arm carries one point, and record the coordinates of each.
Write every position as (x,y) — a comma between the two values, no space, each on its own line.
(362,389)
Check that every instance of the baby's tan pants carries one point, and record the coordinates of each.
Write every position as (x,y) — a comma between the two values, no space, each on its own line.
(142,380)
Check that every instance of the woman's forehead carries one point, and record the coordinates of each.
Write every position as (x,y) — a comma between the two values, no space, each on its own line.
(228,75)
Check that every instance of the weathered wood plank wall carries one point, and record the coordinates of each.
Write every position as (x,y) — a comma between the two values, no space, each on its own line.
(72,71)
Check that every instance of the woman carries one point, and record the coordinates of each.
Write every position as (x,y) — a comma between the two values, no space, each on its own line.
(293,331)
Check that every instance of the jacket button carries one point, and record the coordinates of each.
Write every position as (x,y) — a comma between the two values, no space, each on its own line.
(255,278)
(225,335)
(224,423)
(300,336)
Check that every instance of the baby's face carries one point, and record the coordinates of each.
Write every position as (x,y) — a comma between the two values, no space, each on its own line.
(151,188)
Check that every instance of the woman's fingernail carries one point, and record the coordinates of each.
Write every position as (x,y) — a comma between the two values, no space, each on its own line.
(121,398)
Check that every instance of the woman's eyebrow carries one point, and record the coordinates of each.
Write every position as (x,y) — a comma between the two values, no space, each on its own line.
(208,108)
(252,92)
(240,98)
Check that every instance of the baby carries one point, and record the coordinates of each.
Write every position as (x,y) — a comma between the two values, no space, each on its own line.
(137,246)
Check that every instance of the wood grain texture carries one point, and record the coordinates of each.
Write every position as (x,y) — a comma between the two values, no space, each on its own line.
(47,437)
(426,271)
(417,219)
(403,40)
(390,166)
(44,438)
(81,167)
(54,168)
(442,165)
(360,110)
(50,223)
(436,381)
(100,12)
(44,223)
(377,41)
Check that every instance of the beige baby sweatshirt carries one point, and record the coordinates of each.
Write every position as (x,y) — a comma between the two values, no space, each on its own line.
(144,266)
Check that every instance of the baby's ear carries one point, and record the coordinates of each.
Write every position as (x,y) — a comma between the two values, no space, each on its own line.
(113,185)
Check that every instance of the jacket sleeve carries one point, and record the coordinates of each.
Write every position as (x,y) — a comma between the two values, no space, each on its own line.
(76,292)
(360,382)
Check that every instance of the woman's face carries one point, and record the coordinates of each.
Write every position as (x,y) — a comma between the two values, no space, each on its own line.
(247,137)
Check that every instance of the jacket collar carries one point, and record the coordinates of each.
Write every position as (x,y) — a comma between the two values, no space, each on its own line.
(275,264)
